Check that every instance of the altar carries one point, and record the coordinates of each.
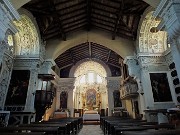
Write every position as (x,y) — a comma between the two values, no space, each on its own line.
(91,115)
(61,114)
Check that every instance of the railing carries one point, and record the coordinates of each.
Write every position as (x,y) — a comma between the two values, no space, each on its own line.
(128,90)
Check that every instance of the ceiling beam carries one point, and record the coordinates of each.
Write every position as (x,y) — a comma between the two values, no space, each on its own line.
(35,9)
(102,4)
(114,65)
(71,6)
(119,14)
(71,55)
(56,17)
(66,66)
(109,53)
(88,10)
(90,50)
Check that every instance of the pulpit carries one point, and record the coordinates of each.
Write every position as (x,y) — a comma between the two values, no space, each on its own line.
(43,97)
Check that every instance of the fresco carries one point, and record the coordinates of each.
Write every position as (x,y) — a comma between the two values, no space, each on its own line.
(160,87)
(18,87)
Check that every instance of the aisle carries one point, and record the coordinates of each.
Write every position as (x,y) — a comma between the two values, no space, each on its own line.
(91,130)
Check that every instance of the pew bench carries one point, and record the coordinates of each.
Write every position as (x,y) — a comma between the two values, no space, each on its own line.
(24,133)
(118,130)
(62,126)
(48,130)
(153,132)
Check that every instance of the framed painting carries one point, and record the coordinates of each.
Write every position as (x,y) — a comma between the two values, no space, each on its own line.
(160,87)
(91,97)
(18,87)
(63,100)
(117,100)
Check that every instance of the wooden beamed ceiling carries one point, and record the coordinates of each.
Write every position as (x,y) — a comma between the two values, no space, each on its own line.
(90,51)
(58,18)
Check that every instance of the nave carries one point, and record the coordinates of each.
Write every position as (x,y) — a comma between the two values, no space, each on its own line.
(106,126)
(91,130)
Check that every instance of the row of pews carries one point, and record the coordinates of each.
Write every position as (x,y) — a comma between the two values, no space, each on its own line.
(129,126)
(62,126)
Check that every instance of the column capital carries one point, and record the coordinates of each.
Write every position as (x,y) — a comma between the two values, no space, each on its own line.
(46,66)
(133,65)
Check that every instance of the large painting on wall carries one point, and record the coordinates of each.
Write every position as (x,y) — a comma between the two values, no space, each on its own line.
(63,100)
(18,87)
(160,87)
(117,100)
(91,97)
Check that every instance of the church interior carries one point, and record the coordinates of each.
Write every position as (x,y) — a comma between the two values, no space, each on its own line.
(113,63)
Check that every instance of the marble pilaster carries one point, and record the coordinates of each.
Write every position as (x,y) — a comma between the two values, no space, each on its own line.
(5,76)
(113,83)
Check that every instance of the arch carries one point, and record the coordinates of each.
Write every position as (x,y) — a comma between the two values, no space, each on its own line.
(100,63)
(149,39)
(16,4)
(121,46)
(27,41)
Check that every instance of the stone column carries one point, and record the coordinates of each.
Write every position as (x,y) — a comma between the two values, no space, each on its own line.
(113,83)
(3,48)
(5,76)
(29,107)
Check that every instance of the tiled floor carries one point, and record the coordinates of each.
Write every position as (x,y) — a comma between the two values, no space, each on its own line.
(91,130)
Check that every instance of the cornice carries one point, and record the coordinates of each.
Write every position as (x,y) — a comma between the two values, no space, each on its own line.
(8,8)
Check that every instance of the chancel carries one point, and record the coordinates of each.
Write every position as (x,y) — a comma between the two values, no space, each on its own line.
(65,65)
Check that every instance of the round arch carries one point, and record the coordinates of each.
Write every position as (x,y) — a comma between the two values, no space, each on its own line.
(150,40)
(106,68)
(121,46)
(27,39)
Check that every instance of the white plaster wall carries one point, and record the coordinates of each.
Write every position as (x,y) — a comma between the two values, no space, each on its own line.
(153,3)
(18,3)
(121,46)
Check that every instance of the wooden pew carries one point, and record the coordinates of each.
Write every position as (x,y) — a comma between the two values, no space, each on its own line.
(48,130)
(153,132)
(118,130)
(128,124)
(24,133)
(74,124)
(109,124)
(69,125)
(62,126)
